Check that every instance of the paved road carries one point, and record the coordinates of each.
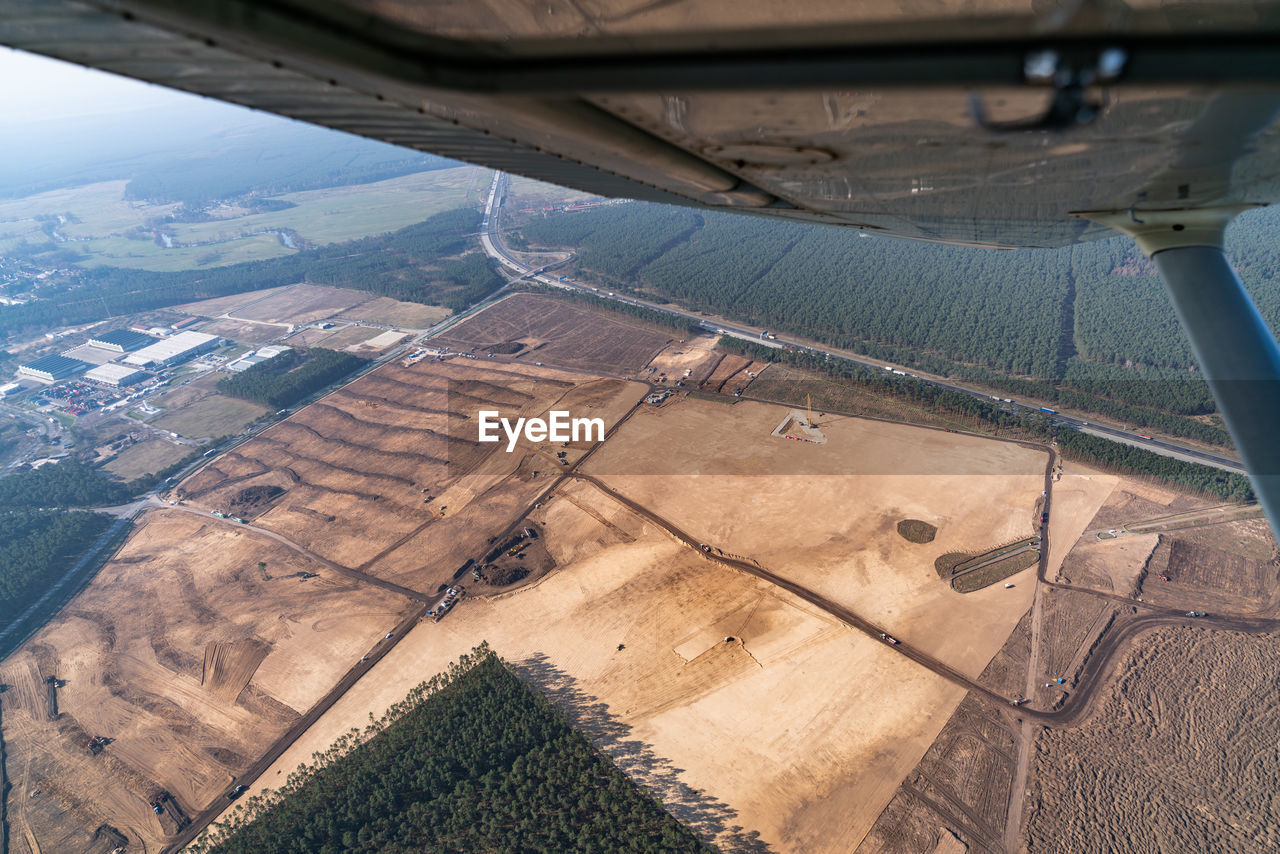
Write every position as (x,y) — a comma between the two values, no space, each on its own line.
(491,240)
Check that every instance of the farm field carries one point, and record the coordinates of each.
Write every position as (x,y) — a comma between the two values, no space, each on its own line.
(1181,755)
(728,697)
(131,653)
(389,312)
(690,461)
(101,218)
(146,457)
(701,644)
(535,328)
(386,474)
(222,646)
(198,411)
(302,303)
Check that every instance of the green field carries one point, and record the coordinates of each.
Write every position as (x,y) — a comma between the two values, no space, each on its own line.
(320,216)
(526,192)
(101,208)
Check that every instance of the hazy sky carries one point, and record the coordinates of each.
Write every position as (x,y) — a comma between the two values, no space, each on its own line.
(34,88)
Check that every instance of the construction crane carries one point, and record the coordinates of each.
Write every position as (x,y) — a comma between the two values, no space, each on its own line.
(808,404)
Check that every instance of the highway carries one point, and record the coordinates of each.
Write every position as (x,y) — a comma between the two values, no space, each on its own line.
(491,240)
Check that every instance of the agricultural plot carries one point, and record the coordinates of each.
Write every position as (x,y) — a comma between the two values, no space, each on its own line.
(690,660)
(146,457)
(555,333)
(1179,757)
(298,304)
(112,231)
(198,411)
(390,312)
(784,496)
(387,475)
(189,660)
(680,668)
(302,303)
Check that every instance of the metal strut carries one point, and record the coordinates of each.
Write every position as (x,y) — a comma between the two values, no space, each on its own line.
(1237,352)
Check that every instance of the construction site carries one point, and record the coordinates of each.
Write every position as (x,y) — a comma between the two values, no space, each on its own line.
(760,630)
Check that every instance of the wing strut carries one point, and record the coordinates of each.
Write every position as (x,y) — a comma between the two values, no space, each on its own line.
(1238,355)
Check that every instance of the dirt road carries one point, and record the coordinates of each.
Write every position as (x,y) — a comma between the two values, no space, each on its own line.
(1077,704)
(201,820)
(348,572)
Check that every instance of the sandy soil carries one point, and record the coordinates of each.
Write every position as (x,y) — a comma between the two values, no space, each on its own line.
(1180,757)
(771,733)
(796,729)
(406,315)
(555,333)
(386,474)
(837,533)
(222,305)
(132,648)
(697,355)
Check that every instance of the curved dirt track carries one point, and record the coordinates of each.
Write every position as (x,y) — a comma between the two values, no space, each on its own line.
(1092,678)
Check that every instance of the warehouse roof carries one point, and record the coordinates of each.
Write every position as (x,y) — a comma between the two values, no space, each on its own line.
(126,338)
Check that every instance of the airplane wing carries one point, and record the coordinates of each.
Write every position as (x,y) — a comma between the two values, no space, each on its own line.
(997,123)
(965,122)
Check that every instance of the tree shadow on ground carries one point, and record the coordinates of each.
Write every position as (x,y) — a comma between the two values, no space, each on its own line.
(707,817)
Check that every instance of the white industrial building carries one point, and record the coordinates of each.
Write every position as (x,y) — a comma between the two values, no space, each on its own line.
(115,375)
(172,350)
(248,360)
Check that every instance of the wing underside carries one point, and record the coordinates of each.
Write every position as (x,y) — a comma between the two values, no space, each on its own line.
(935,126)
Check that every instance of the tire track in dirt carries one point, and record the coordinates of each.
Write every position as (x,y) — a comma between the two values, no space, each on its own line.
(348,417)
(345,571)
(365,450)
(287,450)
(1078,703)
(204,817)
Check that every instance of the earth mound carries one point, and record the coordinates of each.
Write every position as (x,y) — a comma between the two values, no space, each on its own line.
(916,531)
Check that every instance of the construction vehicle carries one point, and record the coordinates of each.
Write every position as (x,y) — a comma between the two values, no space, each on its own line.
(96,744)
(890,639)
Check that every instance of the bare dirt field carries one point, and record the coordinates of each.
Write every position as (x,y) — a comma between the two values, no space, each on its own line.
(300,304)
(1180,756)
(696,355)
(222,305)
(390,312)
(386,475)
(1228,567)
(755,717)
(826,515)
(246,331)
(189,660)
(749,692)
(332,339)
(948,802)
(552,332)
